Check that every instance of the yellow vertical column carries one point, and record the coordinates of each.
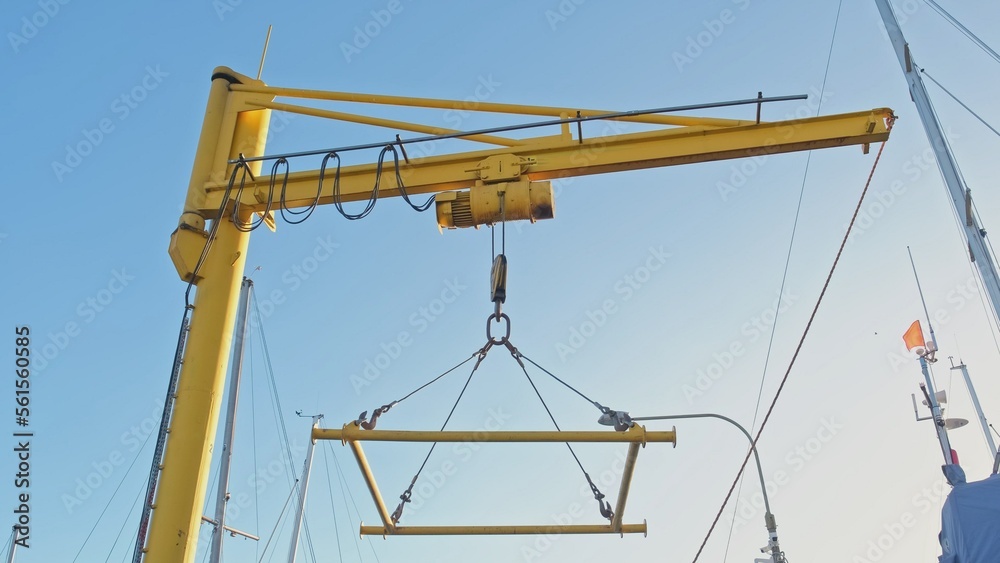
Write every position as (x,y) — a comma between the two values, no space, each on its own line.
(173,535)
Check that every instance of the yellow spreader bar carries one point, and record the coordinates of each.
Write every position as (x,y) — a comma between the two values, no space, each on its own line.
(353,435)
(499,530)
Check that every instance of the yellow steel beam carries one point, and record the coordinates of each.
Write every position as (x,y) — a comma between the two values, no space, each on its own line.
(633,453)
(366,472)
(555,158)
(180,495)
(351,433)
(388,123)
(500,530)
(492,107)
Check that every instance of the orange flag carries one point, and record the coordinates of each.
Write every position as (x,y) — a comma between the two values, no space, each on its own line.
(914,336)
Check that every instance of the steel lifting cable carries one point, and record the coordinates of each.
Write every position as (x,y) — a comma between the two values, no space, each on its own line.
(408,493)
(605,506)
(369,423)
(600,407)
(798,347)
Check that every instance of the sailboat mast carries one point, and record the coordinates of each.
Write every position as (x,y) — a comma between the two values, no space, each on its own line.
(303,490)
(222,497)
(961,197)
(979,409)
(13,545)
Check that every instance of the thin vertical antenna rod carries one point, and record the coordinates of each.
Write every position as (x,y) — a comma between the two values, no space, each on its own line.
(922,302)
(267,40)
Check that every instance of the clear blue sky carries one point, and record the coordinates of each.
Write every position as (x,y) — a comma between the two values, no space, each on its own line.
(105,104)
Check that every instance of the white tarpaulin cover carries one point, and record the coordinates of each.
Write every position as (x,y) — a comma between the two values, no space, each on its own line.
(970,523)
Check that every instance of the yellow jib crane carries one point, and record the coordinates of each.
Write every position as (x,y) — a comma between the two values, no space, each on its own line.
(471,187)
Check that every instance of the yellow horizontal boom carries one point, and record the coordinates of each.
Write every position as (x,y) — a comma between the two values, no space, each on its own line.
(553,157)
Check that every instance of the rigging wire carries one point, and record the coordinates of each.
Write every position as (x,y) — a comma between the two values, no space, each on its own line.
(798,347)
(280,520)
(788,261)
(965,31)
(343,494)
(253,432)
(411,393)
(125,555)
(125,523)
(309,541)
(211,486)
(960,102)
(568,386)
(333,506)
(343,485)
(276,401)
(113,495)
